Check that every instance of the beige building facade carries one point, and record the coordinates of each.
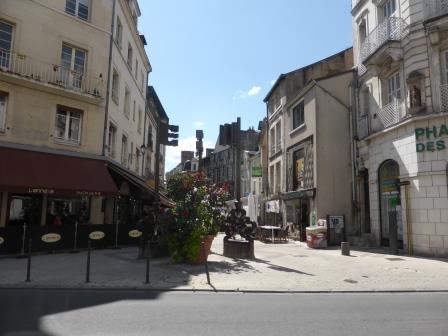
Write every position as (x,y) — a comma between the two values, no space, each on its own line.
(281,135)
(73,93)
(401,52)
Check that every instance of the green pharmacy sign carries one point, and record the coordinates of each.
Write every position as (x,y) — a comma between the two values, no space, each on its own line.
(430,139)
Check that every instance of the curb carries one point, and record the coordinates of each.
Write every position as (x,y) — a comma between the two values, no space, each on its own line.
(206,290)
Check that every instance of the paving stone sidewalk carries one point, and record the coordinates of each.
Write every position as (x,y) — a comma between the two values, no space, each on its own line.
(277,267)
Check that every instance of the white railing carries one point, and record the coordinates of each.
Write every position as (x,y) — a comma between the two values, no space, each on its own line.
(384,117)
(391,29)
(435,8)
(444,98)
(17,64)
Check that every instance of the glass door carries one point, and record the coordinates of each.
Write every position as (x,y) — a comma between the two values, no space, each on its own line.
(390,202)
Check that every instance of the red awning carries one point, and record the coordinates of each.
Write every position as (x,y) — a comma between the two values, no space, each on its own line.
(41,173)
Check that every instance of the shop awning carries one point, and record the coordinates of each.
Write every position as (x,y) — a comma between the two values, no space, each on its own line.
(25,171)
(146,191)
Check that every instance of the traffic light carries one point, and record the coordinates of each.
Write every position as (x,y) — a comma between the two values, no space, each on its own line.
(169,134)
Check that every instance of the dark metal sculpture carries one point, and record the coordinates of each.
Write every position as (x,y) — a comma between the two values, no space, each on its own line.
(238,223)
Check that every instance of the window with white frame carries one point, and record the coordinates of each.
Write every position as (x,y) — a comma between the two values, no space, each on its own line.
(139,124)
(111,140)
(130,55)
(133,111)
(3,104)
(143,82)
(6,31)
(73,62)
(131,154)
(298,115)
(68,124)
(115,86)
(119,33)
(445,66)
(124,150)
(137,160)
(127,102)
(278,137)
(389,8)
(78,8)
(394,88)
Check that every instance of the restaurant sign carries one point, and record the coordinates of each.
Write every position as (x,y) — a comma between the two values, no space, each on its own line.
(135,233)
(1,240)
(97,235)
(430,139)
(51,238)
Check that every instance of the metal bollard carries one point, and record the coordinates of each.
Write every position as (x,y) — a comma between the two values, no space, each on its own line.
(89,247)
(148,257)
(206,262)
(345,248)
(75,240)
(28,266)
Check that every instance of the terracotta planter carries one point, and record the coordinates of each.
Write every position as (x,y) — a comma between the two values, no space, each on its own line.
(204,250)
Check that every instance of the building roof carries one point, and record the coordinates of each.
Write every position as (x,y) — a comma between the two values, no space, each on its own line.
(283,76)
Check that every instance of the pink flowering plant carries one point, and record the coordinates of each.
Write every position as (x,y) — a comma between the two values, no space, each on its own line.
(196,214)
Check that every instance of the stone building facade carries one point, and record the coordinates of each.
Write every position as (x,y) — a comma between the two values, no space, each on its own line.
(401,52)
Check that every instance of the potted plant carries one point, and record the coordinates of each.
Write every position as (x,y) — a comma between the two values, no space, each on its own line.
(197,216)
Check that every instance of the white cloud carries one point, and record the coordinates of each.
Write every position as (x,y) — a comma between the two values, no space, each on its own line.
(272,82)
(198,124)
(172,157)
(253,91)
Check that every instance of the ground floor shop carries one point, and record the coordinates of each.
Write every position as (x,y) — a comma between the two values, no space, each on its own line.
(67,196)
(403,187)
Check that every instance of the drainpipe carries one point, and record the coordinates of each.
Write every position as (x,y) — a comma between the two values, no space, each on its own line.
(109,70)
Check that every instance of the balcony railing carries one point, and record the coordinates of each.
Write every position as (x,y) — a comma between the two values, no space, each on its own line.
(391,29)
(444,98)
(385,117)
(23,66)
(435,8)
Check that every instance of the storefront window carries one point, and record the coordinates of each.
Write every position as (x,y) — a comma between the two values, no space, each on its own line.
(68,211)
(25,209)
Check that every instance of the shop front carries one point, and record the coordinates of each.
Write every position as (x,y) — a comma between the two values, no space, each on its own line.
(42,193)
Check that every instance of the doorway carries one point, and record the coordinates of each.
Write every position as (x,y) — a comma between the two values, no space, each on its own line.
(390,203)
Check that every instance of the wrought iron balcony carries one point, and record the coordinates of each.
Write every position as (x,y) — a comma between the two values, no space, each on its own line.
(384,117)
(435,8)
(25,67)
(444,98)
(391,29)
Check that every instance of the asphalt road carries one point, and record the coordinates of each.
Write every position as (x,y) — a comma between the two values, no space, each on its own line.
(99,312)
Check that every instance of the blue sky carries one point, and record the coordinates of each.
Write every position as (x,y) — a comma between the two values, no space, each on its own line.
(215,60)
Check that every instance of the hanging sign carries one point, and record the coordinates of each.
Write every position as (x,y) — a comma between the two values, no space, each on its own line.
(97,235)
(51,238)
(135,233)
(1,240)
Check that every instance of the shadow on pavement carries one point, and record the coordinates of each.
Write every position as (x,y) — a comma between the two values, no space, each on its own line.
(23,309)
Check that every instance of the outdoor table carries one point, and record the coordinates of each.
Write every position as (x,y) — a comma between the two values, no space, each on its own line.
(272,228)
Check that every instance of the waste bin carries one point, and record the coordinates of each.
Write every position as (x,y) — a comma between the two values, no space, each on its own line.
(316,237)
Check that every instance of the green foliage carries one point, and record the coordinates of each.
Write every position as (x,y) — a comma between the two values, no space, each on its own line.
(196,213)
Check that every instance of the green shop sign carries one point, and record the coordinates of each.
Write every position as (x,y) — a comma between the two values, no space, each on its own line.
(256,172)
(428,138)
